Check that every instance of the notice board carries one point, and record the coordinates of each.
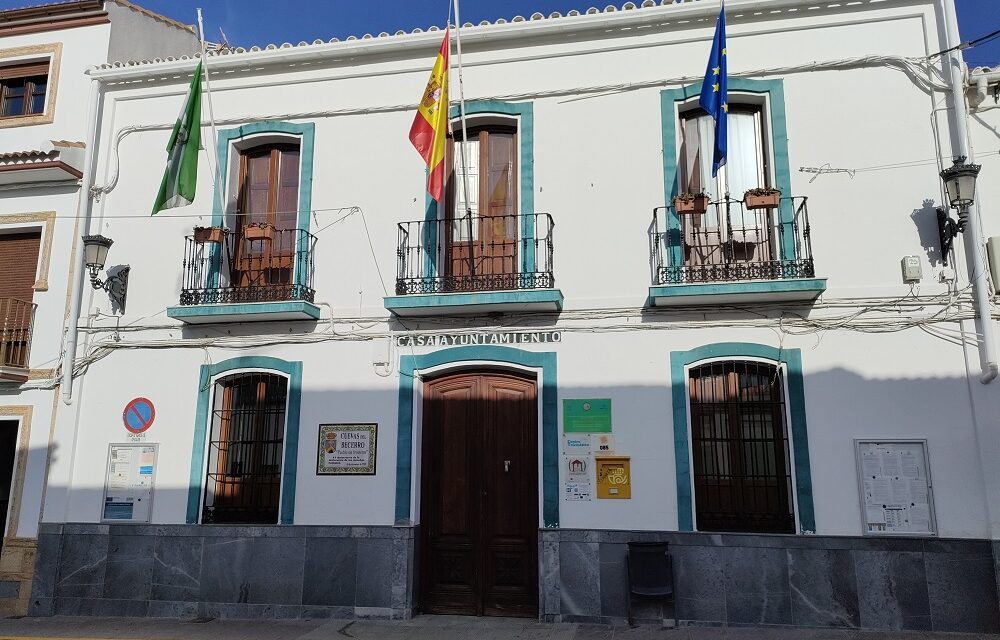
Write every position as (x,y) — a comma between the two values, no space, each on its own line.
(896,491)
(128,486)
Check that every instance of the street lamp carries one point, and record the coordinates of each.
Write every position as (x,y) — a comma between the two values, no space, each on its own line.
(960,187)
(95,255)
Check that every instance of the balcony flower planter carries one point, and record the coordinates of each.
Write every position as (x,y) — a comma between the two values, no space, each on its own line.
(762,199)
(258,232)
(208,234)
(691,204)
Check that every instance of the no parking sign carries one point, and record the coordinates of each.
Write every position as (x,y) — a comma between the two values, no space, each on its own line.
(138,415)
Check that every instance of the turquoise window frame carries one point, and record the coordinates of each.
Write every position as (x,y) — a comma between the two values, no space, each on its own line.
(524,111)
(545,360)
(774,91)
(306,133)
(792,359)
(289,468)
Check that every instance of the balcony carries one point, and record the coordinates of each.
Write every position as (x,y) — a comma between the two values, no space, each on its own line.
(475,264)
(256,273)
(733,254)
(16,319)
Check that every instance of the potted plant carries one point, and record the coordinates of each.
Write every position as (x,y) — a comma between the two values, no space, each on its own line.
(691,203)
(762,198)
(258,231)
(208,234)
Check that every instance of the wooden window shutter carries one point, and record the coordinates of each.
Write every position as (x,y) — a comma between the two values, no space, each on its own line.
(24,70)
(19,264)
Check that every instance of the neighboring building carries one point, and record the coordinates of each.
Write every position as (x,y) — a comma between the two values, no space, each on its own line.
(45,93)
(750,364)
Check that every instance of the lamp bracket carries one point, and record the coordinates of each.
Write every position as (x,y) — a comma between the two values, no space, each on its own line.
(948,229)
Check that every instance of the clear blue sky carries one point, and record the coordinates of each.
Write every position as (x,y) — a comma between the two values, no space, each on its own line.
(250,22)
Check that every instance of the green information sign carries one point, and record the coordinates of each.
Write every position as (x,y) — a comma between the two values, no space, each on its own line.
(587,416)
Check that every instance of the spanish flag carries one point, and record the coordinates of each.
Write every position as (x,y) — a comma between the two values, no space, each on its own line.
(430,126)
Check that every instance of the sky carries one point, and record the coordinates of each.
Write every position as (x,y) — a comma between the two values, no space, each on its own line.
(250,22)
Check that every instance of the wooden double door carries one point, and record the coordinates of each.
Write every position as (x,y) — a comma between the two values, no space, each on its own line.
(479,496)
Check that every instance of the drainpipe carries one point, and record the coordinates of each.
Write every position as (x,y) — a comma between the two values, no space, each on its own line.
(974,256)
(84,208)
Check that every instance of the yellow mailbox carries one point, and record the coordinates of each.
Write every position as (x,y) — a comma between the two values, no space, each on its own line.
(614,478)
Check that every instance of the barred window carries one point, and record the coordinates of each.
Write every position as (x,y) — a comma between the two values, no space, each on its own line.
(245,452)
(742,477)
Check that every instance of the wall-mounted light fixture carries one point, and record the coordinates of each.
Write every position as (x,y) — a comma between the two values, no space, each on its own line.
(95,250)
(960,186)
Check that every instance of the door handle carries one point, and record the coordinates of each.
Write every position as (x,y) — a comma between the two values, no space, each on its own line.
(506,466)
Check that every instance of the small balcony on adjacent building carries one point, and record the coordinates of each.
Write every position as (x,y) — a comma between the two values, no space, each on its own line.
(475,264)
(727,251)
(257,272)
(16,320)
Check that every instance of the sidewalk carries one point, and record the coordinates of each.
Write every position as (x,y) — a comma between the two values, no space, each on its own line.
(419,628)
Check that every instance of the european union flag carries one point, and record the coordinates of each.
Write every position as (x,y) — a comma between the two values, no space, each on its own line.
(714,97)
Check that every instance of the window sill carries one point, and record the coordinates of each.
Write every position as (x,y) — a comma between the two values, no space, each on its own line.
(798,289)
(247,312)
(450,304)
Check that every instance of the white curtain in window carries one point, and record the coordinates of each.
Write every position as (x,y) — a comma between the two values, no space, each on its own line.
(460,226)
(743,167)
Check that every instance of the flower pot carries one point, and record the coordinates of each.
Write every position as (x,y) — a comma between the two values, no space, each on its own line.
(691,205)
(257,232)
(208,234)
(762,201)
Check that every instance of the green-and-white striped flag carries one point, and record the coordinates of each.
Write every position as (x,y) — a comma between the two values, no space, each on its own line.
(181,176)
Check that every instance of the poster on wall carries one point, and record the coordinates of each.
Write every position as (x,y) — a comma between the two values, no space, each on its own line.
(346,449)
(578,469)
(894,480)
(128,486)
(587,416)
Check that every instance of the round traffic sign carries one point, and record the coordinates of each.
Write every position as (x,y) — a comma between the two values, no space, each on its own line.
(138,415)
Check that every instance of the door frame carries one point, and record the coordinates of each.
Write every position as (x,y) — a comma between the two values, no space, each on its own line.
(410,401)
(472,366)
(22,415)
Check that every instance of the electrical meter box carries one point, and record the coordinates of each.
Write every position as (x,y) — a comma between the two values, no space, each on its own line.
(912,271)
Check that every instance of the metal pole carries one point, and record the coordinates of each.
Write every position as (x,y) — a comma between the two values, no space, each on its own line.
(974,256)
(461,113)
(216,177)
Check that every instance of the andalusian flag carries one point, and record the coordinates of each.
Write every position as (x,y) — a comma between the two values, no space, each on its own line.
(430,126)
(181,176)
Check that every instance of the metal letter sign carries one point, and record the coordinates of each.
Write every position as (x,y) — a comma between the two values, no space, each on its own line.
(138,415)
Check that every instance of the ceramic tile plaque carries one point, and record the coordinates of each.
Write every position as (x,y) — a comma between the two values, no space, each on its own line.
(346,449)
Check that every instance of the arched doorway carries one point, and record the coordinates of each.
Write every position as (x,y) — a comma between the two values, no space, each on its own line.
(479,494)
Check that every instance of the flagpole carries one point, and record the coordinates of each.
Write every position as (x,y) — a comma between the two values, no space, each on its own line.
(216,178)
(461,113)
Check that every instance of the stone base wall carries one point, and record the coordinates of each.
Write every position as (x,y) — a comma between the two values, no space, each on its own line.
(224,571)
(811,581)
(17,564)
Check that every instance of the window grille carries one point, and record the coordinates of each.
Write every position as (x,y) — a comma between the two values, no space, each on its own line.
(742,476)
(245,452)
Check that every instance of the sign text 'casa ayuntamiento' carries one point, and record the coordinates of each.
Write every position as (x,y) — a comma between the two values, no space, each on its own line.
(487,337)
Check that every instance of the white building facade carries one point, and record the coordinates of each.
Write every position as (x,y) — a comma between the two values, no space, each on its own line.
(45,51)
(315,407)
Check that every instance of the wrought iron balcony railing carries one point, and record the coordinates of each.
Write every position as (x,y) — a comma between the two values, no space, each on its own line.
(252,264)
(16,319)
(731,243)
(475,253)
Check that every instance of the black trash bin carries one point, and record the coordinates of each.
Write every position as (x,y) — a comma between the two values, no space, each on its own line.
(650,573)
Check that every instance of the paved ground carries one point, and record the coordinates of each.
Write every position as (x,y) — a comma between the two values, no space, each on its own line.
(420,628)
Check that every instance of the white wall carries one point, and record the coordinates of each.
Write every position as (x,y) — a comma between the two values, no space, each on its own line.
(598,171)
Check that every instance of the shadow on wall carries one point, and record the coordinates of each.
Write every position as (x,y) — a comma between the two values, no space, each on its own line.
(180,570)
(926,221)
